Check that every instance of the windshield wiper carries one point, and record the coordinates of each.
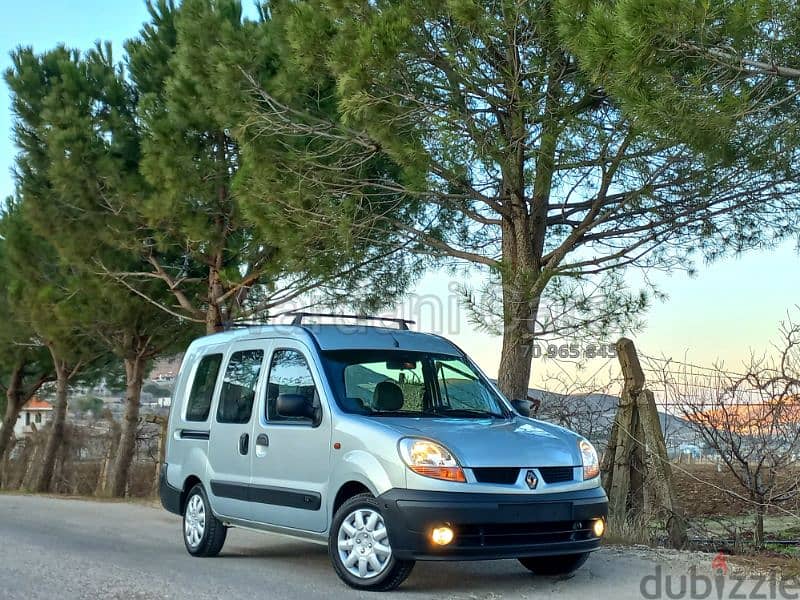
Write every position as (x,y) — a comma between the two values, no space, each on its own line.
(464,412)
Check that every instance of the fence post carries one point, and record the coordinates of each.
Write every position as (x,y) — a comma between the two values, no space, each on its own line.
(638,476)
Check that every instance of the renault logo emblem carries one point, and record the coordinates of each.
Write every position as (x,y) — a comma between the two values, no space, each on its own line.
(531,479)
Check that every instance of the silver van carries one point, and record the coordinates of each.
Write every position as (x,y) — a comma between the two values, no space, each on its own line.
(389,446)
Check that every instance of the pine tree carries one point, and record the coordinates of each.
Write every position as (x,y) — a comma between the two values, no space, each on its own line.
(46,295)
(79,186)
(716,75)
(250,248)
(25,364)
(512,160)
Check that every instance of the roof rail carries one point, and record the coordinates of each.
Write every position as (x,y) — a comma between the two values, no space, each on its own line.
(299,316)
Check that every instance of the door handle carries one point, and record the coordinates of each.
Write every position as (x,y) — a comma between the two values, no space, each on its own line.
(244,443)
(262,443)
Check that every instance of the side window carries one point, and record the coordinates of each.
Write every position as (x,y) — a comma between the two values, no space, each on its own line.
(460,389)
(289,374)
(205,378)
(239,387)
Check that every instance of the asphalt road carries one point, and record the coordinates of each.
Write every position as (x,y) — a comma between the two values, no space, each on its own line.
(62,548)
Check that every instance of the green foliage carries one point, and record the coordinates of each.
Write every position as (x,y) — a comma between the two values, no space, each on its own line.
(45,294)
(700,72)
(19,347)
(469,130)
(78,180)
(213,202)
(86,404)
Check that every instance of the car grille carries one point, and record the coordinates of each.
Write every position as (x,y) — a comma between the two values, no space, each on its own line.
(508,475)
(556,474)
(521,534)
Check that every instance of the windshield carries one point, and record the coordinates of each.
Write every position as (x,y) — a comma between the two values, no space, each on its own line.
(396,383)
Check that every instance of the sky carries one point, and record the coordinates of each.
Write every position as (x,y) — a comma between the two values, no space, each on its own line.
(732,308)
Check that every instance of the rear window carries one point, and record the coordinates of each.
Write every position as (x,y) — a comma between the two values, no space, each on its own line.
(205,379)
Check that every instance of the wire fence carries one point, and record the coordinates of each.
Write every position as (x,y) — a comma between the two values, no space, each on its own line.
(85,459)
(724,480)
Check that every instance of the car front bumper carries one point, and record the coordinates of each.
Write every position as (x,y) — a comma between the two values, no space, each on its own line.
(492,526)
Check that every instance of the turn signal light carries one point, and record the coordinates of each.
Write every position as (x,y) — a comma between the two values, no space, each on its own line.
(442,536)
(446,473)
(599,527)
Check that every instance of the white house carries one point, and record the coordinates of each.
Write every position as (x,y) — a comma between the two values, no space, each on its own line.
(35,413)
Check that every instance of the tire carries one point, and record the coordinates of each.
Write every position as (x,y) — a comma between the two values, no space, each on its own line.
(562,564)
(358,529)
(203,534)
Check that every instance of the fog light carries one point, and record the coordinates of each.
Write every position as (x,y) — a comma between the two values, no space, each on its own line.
(442,536)
(599,527)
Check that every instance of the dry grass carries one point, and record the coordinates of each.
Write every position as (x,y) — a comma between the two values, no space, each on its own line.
(632,532)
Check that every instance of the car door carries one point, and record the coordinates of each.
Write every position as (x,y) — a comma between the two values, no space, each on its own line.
(231,444)
(291,458)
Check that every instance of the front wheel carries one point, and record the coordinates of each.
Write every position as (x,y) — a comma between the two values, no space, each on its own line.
(203,533)
(562,564)
(359,547)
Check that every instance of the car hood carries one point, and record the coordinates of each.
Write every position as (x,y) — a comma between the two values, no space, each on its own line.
(517,442)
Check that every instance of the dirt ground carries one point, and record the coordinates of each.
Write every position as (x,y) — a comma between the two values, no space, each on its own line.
(701,489)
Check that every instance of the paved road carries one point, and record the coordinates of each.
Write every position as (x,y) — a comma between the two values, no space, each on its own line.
(59,548)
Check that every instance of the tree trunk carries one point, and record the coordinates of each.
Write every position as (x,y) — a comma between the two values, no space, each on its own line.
(214,312)
(134,372)
(524,231)
(13,406)
(758,532)
(9,419)
(56,437)
(515,361)
(5,464)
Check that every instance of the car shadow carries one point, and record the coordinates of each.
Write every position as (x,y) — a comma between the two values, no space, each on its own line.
(311,560)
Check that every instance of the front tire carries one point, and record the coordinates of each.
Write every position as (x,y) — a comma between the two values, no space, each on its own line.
(203,534)
(359,547)
(562,564)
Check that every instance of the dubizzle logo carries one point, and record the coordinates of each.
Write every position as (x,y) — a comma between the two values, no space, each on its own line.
(722,583)
(719,564)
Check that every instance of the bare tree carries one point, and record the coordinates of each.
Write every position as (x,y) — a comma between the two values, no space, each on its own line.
(581,400)
(753,422)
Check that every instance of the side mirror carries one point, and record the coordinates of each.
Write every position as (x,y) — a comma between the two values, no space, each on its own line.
(523,407)
(293,406)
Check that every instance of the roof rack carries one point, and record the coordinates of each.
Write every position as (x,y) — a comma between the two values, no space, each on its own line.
(299,316)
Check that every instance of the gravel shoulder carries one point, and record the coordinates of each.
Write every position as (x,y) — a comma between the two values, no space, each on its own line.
(69,548)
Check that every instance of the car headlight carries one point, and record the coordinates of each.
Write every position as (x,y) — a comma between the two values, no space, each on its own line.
(430,459)
(591,464)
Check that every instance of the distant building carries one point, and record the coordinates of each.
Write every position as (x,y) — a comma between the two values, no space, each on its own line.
(166,369)
(36,413)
